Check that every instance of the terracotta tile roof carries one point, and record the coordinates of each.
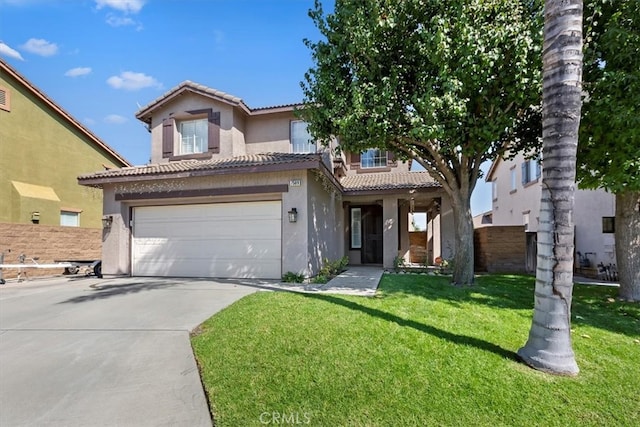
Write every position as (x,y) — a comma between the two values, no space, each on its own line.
(388,181)
(188,166)
(144,113)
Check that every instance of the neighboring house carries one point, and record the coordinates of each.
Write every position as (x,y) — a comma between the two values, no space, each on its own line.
(516,192)
(233,191)
(44,213)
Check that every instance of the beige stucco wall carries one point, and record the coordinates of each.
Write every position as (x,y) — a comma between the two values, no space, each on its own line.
(40,148)
(316,216)
(269,133)
(325,222)
(188,102)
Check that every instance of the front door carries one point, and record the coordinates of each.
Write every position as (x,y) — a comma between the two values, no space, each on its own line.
(372,234)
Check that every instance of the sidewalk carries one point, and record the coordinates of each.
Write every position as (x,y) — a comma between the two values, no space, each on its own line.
(356,280)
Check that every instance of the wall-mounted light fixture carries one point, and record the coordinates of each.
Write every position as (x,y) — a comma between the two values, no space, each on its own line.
(293,215)
(35,217)
(107,220)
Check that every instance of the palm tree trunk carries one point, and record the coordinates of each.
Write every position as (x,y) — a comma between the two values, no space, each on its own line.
(549,345)
(628,244)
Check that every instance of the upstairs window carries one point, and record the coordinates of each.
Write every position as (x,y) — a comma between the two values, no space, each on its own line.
(494,190)
(301,140)
(608,224)
(193,136)
(531,171)
(514,181)
(373,158)
(195,132)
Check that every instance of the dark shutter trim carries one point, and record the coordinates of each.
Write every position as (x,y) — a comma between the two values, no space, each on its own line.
(354,159)
(167,137)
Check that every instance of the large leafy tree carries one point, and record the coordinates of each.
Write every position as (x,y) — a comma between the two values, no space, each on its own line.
(549,345)
(609,155)
(448,83)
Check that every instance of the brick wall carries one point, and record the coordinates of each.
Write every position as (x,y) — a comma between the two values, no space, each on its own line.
(500,248)
(48,243)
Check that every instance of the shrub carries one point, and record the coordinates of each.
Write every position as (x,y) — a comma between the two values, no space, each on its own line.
(291,277)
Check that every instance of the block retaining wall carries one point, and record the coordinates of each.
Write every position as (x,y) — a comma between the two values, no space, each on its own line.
(48,243)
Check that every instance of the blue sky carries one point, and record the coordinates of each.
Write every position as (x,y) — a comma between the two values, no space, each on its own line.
(102,59)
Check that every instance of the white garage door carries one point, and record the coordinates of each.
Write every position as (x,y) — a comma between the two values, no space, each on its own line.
(211,240)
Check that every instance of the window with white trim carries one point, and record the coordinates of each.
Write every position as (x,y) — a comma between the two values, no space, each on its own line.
(301,140)
(356,228)
(531,171)
(69,219)
(514,181)
(194,136)
(373,158)
(494,189)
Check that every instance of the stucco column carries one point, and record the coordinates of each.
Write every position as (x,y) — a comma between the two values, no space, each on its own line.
(389,230)
(116,258)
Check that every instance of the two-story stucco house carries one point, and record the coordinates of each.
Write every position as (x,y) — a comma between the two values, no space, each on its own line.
(44,213)
(516,192)
(233,191)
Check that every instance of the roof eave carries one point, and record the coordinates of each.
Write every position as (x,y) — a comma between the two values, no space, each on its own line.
(278,167)
(48,101)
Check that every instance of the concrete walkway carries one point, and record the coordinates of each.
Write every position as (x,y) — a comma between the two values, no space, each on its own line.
(356,280)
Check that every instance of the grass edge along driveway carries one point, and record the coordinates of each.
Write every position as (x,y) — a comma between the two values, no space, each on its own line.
(420,352)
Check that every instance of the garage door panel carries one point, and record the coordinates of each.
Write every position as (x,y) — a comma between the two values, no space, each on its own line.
(185,249)
(216,240)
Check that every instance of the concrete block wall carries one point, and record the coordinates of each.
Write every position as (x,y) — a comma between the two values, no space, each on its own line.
(48,243)
(500,249)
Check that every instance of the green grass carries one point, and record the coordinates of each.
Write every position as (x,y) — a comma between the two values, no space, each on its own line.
(419,353)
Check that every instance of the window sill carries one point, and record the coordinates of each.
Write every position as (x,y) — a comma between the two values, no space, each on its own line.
(530,183)
(196,156)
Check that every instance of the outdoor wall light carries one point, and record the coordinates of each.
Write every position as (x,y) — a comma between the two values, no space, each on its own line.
(107,220)
(293,215)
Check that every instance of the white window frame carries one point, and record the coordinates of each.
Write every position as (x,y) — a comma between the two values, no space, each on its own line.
(531,171)
(494,190)
(69,219)
(190,140)
(373,158)
(514,180)
(356,228)
(301,140)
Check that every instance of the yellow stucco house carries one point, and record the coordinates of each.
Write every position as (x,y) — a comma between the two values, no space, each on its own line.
(43,149)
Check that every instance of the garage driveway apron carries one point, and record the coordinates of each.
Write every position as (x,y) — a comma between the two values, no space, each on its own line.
(97,352)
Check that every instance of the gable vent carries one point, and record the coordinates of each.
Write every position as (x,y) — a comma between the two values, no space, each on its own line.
(4,99)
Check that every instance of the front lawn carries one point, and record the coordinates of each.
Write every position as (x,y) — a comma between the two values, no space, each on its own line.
(419,353)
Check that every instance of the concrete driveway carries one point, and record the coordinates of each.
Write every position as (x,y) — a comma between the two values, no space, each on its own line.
(105,352)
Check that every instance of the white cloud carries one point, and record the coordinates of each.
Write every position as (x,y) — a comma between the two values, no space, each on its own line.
(5,50)
(40,47)
(128,80)
(119,21)
(78,71)
(115,119)
(89,121)
(126,6)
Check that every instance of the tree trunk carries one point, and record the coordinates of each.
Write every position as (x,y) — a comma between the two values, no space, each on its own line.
(628,244)
(463,259)
(549,345)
